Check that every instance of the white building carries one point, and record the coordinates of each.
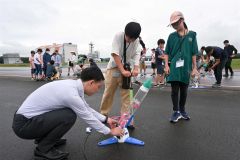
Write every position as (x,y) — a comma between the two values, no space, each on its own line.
(63,49)
(94,55)
(11,58)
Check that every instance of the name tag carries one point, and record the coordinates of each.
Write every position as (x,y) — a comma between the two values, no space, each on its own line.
(179,63)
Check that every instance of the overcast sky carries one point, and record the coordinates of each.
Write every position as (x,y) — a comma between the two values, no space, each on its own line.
(27,24)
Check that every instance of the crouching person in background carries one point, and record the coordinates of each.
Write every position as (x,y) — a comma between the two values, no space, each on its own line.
(78,69)
(48,121)
(51,72)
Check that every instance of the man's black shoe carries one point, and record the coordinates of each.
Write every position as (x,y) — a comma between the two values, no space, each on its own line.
(52,154)
(232,74)
(58,143)
(225,75)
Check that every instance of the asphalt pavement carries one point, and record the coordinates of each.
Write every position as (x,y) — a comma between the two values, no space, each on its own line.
(213,133)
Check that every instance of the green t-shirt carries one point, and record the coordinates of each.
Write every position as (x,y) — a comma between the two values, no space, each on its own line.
(181,48)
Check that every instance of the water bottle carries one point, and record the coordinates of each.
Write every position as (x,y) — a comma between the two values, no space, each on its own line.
(141,93)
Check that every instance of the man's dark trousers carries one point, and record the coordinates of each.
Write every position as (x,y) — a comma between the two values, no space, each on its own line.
(47,128)
(228,66)
(218,70)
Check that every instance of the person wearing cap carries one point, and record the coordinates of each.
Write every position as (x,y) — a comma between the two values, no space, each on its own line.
(50,111)
(71,62)
(230,50)
(181,50)
(115,69)
(220,57)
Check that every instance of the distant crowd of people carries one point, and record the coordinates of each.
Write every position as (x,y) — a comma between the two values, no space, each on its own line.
(46,66)
(220,57)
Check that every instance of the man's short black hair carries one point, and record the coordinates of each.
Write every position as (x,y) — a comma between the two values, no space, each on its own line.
(203,48)
(92,73)
(32,52)
(160,41)
(226,41)
(208,49)
(133,30)
(47,49)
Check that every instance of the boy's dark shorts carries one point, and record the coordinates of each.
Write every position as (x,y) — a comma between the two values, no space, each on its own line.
(160,69)
(153,65)
(70,64)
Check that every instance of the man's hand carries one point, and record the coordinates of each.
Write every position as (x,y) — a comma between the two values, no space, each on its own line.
(167,69)
(126,73)
(112,122)
(117,131)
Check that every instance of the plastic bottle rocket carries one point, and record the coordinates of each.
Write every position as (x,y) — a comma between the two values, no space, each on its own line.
(141,94)
(139,97)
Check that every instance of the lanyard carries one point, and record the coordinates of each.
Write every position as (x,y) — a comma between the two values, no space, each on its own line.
(125,50)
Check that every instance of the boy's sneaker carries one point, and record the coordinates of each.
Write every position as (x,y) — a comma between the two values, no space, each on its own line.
(175,117)
(185,115)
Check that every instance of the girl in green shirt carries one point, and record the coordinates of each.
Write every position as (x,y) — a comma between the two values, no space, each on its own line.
(181,53)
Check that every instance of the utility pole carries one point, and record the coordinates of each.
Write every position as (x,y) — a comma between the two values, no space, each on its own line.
(91,46)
